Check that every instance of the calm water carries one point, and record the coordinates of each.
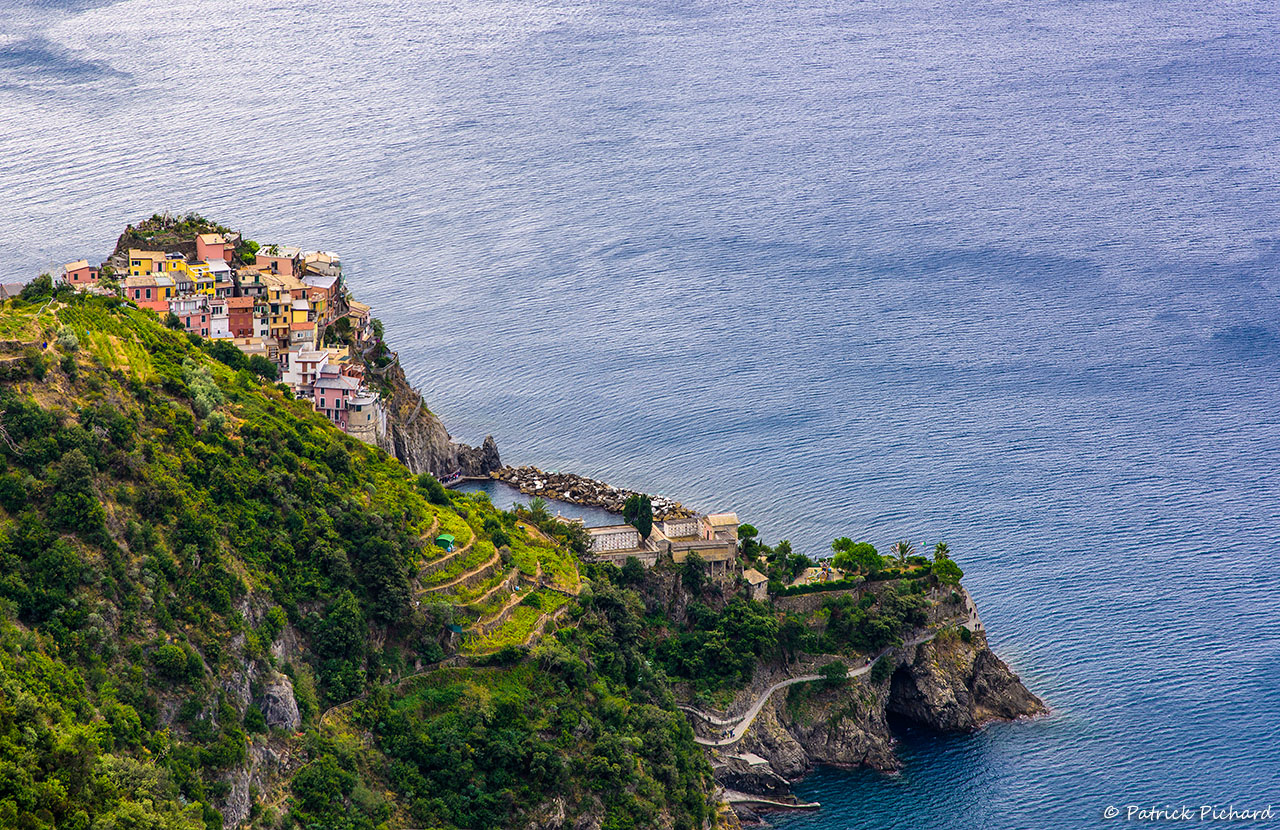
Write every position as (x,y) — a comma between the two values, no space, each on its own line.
(1002,273)
(505,496)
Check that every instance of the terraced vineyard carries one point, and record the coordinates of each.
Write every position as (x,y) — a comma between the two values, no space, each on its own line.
(500,595)
(521,627)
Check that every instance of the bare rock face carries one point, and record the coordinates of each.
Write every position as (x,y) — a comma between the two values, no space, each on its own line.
(420,441)
(252,774)
(809,725)
(279,707)
(756,779)
(954,686)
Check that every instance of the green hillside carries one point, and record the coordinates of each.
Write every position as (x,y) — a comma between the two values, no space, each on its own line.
(185,552)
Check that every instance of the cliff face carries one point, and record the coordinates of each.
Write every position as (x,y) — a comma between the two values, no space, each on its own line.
(954,686)
(946,684)
(420,441)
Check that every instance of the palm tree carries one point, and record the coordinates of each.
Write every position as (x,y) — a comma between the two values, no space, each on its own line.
(941,551)
(902,550)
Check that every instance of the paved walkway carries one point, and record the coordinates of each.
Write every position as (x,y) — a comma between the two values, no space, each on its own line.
(743,722)
(735,797)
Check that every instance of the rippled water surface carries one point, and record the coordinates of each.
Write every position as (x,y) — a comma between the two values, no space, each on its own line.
(1002,273)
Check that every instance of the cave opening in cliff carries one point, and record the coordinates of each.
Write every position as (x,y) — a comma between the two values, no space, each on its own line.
(906,706)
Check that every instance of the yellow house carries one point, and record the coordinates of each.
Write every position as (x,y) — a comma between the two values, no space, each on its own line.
(280,301)
(300,311)
(202,276)
(142,262)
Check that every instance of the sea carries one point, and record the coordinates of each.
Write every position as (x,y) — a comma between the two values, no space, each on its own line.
(1004,274)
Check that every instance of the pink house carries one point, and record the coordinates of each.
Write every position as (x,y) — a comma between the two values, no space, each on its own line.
(282,259)
(333,396)
(79,274)
(214,246)
(196,322)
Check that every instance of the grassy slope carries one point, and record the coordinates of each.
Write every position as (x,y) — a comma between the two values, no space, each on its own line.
(169,523)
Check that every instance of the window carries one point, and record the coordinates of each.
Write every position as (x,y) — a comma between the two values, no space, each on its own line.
(148,293)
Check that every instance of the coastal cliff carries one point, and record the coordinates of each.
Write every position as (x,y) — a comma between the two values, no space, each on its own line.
(420,441)
(261,611)
(948,684)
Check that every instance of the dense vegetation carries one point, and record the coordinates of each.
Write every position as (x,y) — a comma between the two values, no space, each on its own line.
(176,532)
(170,519)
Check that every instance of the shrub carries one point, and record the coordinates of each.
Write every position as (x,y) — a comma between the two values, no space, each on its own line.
(433,489)
(170,662)
(37,364)
(254,720)
(882,670)
(834,674)
(204,391)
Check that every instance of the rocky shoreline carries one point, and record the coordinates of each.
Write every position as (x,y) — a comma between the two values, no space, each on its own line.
(948,684)
(577,489)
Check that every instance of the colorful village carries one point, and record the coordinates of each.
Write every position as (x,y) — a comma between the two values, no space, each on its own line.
(276,302)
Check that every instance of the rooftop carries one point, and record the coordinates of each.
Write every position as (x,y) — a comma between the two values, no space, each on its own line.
(337,382)
(318,281)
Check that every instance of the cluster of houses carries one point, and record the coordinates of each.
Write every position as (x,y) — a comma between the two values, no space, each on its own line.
(713,537)
(278,307)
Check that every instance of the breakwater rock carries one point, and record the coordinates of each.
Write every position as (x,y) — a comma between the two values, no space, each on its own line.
(577,489)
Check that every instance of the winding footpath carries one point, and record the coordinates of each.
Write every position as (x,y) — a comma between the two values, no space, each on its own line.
(743,722)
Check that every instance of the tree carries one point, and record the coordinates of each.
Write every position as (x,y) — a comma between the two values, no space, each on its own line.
(538,510)
(263,367)
(40,288)
(433,489)
(792,636)
(693,573)
(637,511)
(903,549)
(246,251)
(941,551)
(947,571)
(834,674)
(633,571)
(747,543)
(75,505)
(856,556)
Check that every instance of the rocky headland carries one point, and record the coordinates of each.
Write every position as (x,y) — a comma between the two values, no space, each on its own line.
(949,682)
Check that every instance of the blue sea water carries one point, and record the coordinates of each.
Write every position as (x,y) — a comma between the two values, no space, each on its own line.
(1000,273)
